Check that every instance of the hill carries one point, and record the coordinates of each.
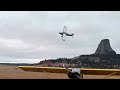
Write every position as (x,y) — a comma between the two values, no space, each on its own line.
(104,57)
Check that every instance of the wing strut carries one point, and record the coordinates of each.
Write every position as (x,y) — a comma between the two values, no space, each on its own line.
(109,75)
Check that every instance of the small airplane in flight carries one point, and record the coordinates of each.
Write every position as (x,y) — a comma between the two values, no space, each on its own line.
(64,33)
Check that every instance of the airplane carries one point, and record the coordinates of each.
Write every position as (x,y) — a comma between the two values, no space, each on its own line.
(73,73)
(64,33)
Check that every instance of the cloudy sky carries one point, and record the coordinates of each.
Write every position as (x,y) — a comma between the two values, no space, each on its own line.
(35,34)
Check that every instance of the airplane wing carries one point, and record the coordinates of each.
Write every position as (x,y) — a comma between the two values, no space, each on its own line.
(86,71)
(65,29)
(44,69)
(82,71)
(90,71)
(64,37)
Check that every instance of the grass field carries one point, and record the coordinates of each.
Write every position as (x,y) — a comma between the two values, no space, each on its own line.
(13,72)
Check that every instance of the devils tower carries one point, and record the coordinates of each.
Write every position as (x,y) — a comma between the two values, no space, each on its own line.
(105,48)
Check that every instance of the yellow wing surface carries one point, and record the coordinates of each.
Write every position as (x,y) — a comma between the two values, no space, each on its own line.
(86,71)
(90,71)
(44,69)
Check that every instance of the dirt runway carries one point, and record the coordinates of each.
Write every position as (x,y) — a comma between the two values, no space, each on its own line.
(13,72)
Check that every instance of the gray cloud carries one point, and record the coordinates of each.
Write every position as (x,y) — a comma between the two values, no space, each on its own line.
(35,34)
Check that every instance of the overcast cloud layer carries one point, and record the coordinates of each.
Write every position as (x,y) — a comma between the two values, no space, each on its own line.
(35,34)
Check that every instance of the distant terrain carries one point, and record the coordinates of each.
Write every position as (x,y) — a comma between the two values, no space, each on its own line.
(104,57)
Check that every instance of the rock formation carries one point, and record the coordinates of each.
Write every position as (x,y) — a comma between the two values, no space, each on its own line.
(104,57)
(105,48)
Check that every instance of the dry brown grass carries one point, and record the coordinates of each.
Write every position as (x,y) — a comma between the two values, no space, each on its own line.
(13,72)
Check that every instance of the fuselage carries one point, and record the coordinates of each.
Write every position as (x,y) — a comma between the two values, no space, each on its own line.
(67,34)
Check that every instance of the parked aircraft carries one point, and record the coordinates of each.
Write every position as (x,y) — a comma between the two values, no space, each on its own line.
(73,73)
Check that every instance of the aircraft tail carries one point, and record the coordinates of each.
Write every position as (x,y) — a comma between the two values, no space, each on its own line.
(72,35)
